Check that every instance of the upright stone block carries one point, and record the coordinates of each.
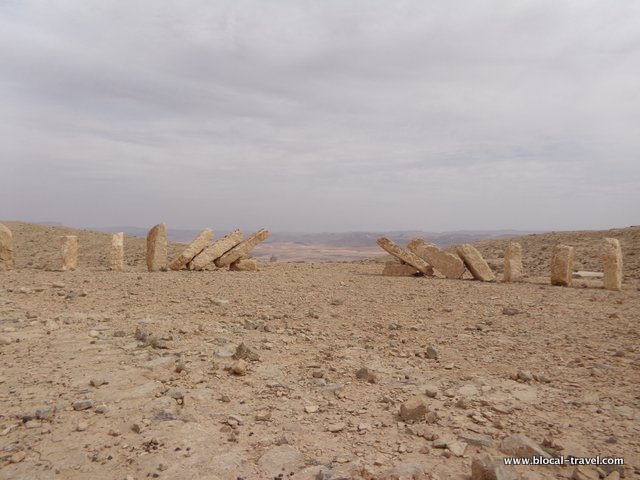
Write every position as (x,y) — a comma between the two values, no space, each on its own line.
(242,249)
(612,264)
(475,263)
(116,254)
(157,248)
(392,269)
(69,252)
(6,249)
(562,265)
(194,248)
(244,265)
(216,250)
(446,263)
(407,257)
(513,262)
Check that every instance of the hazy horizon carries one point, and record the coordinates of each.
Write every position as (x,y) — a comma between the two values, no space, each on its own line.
(360,116)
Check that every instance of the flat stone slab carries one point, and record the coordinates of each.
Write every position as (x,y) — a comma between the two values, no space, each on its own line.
(586,274)
(512,262)
(475,263)
(69,252)
(399,270)
(562,265)
(156,255)
(216,250)
(244,265)
(446,263)
(194,248)
(242,249)
(407,257)
(612,264)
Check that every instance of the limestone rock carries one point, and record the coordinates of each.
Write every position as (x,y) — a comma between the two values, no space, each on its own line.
(522,446)
(513,262)
(244,265)
(406,471)
(6,249)
(486,467)
(582,472)
(612,264)
(475,263)
(157,248)
(242,249)
(69,252)
(407,257)
(562,265)
(116,254)
(194,248)
(413,409)
(216,250)
(446,263)
(398,270)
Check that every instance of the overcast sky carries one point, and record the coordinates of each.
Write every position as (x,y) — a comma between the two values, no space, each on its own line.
(332,115)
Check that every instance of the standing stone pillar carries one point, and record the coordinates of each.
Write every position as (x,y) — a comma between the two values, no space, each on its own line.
(116,254)
(69,252)
(157,248)
(513,262)
(562,265)
(6,249)
(612,264)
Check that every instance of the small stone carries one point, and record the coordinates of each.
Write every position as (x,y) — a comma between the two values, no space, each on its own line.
(582,472)
(510,311)
(175,394)
(413,409)
(311,408)
(317,374)
(525,376)
(366,374)
(44,413)
(94,334)
(5,341)
(220,302)
(522,446)
(101,409)
(476,439)
(82,404)
(457,448)
(336,427)
(244,265)
(82,426)
(486,467)
(431,391)
(245,353)
(17,457)
(239,368)
(406,471)
(432,353)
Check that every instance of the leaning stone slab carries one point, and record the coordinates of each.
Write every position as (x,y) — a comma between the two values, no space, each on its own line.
(242,249)
(475,263)
(562,265)
(612,264)
(407,257)
(69,252)
(513,262)
(399,270)
(216,250)
(244,265)
(116,254)
(6,249)
(194,248)
(157,248)
(446,263)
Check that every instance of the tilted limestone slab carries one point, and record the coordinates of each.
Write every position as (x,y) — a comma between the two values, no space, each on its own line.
(407,257)
(198,245)
(244,265)
(562,265)
(216,250)
(399,270)
(242,249)
(116,254)
(475,263)
(446,263)
(512,262)
(6,249)
(156,255)
(612,264)
(69,252)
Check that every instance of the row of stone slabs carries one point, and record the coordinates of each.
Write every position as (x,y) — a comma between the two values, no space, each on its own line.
(423,257)
(231,251)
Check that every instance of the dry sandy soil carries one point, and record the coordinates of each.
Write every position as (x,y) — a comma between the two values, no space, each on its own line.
(128,375)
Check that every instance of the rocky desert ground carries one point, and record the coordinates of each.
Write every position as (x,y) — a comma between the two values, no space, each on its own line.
(313,371)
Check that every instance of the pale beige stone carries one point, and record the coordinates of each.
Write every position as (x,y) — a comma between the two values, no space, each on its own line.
(446,263)
(513,262)
(612,264)
(475,263)
(562,265)
(116,254)
(399,270)
(242,249)
(216,250)
(244,265)
(407,257)
(157,248)
(198,245)
(6,249)
(69,252)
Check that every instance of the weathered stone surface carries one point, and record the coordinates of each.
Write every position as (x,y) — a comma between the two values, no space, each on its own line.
(583,472)
(116,254)
(69,252)
(486,467)
(242,249)
(281,458)
(157,248)
(244,265)
(475,263)
(522,446)
(404,471)
(216,250)
(6,248)
(513,262)
(446,263)
(562,265)
(398,270)
(612,264)
(198,245)
(407,257)
(413,409)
